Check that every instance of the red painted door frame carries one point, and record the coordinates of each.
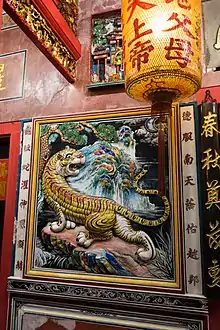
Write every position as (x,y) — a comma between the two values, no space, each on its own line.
(11,130)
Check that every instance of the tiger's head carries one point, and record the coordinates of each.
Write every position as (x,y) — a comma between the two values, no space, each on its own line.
(68,162)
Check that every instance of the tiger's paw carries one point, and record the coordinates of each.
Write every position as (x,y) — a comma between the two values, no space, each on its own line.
(56,227)
(83,239)
(70,224)
(145,254)
(148,251)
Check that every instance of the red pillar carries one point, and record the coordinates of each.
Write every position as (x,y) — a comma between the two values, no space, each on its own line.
(11,130)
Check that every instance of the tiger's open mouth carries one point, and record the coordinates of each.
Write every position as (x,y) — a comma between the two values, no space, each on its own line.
(73,166)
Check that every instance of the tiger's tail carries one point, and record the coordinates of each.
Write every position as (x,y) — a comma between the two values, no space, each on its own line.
(146,222)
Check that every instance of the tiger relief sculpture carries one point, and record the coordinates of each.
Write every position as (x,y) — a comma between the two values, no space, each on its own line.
(102,218)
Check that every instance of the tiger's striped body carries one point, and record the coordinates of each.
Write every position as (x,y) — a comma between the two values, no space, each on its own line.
(102,217)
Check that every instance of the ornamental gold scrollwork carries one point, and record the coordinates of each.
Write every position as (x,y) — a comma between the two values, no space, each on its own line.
(69,10)
(38,25)
(104,294)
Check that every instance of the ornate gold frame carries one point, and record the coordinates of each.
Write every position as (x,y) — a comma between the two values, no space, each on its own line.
(64,275)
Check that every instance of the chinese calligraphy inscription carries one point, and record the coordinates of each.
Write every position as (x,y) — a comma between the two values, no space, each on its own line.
(191,228)
(210,165)
(190,200)
(25,167)
(161,37)
(178,49)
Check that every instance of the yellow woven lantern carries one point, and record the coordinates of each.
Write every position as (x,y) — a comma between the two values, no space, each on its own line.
(162,50)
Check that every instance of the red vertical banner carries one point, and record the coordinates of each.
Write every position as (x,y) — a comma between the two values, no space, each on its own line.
(3,178)
(11,130)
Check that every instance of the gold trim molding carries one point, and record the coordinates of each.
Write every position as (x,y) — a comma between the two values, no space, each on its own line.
(31,271)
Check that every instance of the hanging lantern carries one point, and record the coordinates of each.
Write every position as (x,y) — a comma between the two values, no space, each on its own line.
(162,50)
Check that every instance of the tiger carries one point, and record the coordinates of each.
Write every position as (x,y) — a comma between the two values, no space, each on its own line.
(102,217)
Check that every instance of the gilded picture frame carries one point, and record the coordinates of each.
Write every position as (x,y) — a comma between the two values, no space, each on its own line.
(121,122)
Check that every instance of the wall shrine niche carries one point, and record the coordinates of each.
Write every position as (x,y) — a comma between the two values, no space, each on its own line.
(106,49)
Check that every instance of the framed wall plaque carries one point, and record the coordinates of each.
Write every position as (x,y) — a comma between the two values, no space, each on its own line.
(89,207)
(116,176)
(12,77)
(94,231)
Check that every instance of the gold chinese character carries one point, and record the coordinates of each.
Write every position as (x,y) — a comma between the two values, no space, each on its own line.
(212,159)
(3,170)
(213,194)
(214,273)
(2,188)
(2,75)
(214,236)
(209,125)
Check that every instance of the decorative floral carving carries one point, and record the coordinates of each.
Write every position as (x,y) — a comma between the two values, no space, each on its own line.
(69,10)
(111,295)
